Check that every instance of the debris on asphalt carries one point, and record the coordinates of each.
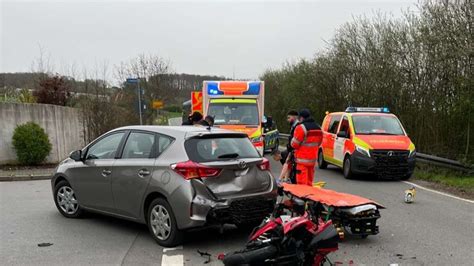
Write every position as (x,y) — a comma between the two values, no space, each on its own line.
(45,244)
(221,256)
(410,195)
(205,254)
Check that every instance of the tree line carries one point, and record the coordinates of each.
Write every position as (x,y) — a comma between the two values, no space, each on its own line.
(103,105)
(420,66)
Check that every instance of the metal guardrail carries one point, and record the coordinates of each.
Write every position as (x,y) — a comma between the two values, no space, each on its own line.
(428,159)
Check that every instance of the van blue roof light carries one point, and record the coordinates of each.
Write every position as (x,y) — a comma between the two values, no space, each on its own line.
(367,109)
(350,109)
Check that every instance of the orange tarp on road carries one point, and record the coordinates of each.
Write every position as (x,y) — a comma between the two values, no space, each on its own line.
(328,197)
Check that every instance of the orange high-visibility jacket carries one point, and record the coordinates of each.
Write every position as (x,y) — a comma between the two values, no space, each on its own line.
(306,140)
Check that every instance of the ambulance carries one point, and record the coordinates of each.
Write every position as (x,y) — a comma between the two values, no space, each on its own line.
(238,106)
(367,141)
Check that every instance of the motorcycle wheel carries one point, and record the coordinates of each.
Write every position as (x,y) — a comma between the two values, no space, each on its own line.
(250,256)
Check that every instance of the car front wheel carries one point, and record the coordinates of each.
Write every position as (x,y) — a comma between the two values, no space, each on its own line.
(162,224)
(66,200)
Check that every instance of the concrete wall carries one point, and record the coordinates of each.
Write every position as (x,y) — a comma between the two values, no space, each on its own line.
(62,124)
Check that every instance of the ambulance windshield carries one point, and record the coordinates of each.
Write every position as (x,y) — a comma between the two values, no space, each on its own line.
(377,125)
(231,113)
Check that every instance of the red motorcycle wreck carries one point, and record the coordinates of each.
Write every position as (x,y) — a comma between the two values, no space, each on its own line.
(294,234)
(355,214)
(305,226)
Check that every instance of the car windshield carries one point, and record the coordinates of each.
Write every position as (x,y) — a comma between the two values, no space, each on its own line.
(377,125)
(234,113)
(220,148)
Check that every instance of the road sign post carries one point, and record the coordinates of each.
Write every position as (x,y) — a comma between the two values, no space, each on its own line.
(137,81)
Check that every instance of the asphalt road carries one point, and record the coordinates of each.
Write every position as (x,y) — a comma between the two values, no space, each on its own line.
(435,230)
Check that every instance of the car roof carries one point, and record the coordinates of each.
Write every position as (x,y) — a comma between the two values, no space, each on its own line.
(181,131)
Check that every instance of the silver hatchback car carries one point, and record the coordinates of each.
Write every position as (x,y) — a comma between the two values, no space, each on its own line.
(170,178)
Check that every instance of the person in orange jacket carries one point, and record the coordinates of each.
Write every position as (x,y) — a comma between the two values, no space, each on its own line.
(306,140)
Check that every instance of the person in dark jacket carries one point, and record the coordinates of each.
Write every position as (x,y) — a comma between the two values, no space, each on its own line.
(194,119)
(208,121)
(187,122)
(285,157)
(292,118)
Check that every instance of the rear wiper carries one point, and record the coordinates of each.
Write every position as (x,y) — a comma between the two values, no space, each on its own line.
(228,155)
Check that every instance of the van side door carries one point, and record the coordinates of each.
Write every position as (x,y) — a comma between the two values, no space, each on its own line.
(344,127)
(330,137)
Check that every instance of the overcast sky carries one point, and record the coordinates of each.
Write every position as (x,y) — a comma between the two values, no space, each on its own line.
(200,37)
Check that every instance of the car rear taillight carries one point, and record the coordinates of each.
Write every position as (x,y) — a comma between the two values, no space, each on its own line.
(264,165)
(190,170)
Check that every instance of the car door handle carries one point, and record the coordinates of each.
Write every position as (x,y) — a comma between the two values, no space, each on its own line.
(106,172)
(143,173)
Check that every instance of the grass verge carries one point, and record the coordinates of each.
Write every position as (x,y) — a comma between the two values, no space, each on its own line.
(460,181)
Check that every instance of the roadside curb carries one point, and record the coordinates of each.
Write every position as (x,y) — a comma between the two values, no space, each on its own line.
(24,177)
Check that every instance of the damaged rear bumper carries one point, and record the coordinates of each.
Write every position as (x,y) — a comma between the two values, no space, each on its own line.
(242,211)
(207,209)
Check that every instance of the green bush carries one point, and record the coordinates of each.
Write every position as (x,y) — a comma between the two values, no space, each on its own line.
(31,144)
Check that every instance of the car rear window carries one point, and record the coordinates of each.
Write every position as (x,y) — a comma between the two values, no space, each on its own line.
(218,148)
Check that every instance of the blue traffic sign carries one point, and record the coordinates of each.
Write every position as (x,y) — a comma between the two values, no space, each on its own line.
(132,80)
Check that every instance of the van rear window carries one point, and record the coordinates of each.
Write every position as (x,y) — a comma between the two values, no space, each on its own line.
(219,148)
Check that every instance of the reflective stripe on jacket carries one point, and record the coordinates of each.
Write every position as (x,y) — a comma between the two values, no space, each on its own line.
(306,140)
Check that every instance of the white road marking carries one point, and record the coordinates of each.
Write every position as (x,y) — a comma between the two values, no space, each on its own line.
(172,259)
(438,192)
(171,249)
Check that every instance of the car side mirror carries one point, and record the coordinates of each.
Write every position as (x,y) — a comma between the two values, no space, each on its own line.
(342,134)
(76,155)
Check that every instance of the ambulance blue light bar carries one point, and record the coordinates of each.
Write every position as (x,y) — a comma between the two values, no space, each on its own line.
(253,88)
(213,89)
(367,109)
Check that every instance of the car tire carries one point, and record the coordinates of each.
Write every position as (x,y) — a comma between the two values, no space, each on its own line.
(162,224)
(322,164)
(66,200)
(347,168)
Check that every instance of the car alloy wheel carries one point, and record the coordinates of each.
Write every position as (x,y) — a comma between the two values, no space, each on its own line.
(67,200)
(160,222)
